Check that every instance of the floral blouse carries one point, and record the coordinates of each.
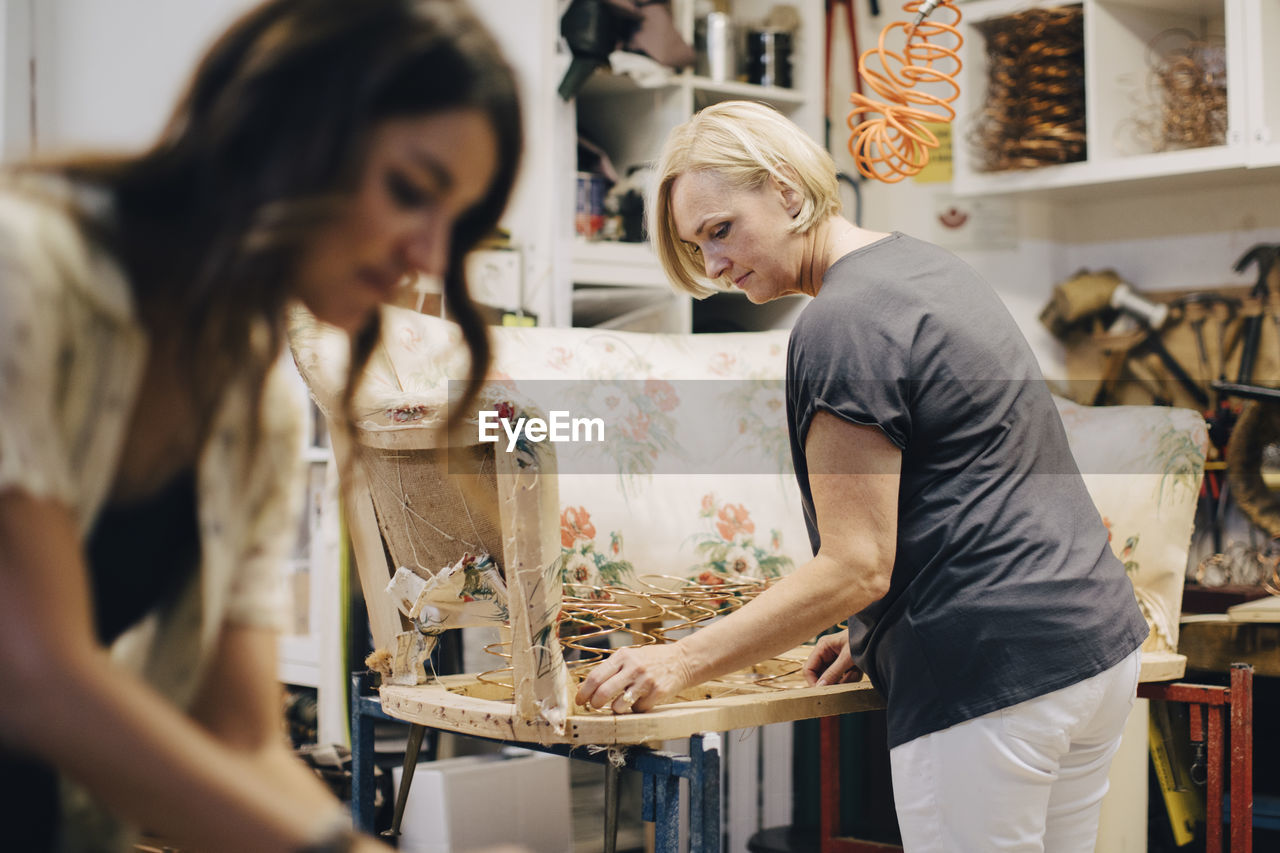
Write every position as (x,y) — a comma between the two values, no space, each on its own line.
(72,355)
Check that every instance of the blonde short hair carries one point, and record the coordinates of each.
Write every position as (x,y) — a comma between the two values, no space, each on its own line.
(744,144)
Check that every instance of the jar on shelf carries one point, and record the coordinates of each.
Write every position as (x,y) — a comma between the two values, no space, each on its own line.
(769,57)
(589,214)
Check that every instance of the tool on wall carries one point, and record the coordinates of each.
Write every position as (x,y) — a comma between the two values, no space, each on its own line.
(1196,309)
(1266,258)
(853,51)
(593,29)
(890,138)
(1258,426)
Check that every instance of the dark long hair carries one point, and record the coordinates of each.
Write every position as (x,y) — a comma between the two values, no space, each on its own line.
(267,145)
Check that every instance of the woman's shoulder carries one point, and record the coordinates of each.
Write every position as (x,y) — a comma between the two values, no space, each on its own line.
(46,244)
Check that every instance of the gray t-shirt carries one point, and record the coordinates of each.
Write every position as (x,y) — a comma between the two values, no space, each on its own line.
(1004,587)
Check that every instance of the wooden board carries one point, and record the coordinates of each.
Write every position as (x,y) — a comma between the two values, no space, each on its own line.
(529,506)
(1162,666)
(366,544)
(462,704)
(1263,610)
(440,706)
(1214,642)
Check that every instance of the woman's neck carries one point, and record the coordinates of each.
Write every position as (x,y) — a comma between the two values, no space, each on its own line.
(828,242)
(165,429)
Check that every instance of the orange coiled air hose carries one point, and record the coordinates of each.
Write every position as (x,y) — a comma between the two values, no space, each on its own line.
(889,139)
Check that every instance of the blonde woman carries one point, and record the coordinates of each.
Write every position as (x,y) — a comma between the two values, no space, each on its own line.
(948,520)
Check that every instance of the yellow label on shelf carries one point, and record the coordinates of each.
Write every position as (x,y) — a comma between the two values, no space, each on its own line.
(938,169)
(519,320)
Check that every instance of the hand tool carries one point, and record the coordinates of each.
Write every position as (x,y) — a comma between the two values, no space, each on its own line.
(1265,256)
(853,52)
(1197,308)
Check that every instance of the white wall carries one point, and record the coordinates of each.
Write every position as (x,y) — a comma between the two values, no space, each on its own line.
(524,33)
(110,70)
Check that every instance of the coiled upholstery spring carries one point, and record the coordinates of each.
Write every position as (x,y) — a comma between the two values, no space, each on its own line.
(889,138)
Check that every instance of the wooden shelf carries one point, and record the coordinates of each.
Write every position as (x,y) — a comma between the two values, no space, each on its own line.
(1197,599)
(1212,643)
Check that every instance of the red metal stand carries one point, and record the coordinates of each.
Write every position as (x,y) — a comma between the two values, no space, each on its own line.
(829,787)
(1208,700)
(1211,701)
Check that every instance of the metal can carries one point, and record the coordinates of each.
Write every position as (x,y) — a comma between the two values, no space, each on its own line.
(713,37)
(769,57)
(589,213)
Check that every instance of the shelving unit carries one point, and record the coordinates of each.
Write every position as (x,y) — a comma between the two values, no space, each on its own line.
(631,122)
(1117,35)
(1261,28)
(310,647)
(299,653)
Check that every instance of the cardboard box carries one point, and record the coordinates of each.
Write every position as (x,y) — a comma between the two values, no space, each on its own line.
(516,797)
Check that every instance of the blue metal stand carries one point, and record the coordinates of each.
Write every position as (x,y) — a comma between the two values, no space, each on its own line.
(365,710)
(662,772)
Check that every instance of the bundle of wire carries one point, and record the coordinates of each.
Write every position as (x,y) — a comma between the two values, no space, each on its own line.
(890,138)
(1034,113)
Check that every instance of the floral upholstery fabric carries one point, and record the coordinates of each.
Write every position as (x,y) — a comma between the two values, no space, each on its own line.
(671,502)
(1143,466)
(695,475)
(696,480)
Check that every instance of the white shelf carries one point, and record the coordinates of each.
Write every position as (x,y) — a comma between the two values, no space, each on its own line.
(604,83)
(1188,170)
(298,663)
(618,264)
(1117,35)
(723,90)
(313,453)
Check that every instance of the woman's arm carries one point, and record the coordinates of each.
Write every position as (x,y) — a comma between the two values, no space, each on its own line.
(240,704)
(69,705)
(853,475)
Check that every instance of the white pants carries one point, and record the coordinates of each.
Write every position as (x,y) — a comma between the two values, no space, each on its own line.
(1025,778)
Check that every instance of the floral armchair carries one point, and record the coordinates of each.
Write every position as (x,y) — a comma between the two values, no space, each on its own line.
(690,483)
(1143,466)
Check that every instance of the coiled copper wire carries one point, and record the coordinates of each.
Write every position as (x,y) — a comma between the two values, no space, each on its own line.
(889,138)
(1188,83)
(664,605)
(1034,110)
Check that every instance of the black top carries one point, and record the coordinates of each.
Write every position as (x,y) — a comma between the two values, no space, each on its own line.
(140,557)
(1004,587)
(142,553)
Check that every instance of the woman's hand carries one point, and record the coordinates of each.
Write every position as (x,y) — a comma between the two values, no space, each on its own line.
(830,662)
(636,678)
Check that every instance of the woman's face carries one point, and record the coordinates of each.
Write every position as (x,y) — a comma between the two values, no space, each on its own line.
(741,236)
(421,174)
